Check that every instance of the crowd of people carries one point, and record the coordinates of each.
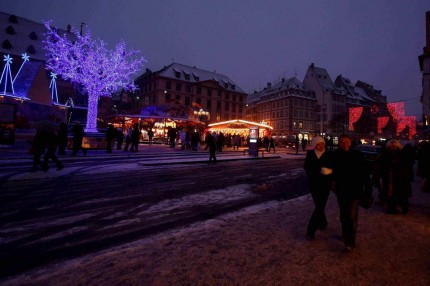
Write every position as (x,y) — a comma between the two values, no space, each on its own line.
(345,173)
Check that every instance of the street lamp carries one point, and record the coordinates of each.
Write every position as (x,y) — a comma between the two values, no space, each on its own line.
(201,114)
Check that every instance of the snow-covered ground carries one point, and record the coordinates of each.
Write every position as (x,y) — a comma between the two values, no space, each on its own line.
(262,245)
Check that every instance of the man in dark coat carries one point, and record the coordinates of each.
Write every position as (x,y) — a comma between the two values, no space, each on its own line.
(351,181)
(78,136)
(211,144)
(110,135)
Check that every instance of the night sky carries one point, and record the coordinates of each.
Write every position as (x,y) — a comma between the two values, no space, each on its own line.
(254,42)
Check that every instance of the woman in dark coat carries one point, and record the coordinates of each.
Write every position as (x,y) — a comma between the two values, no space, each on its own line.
(318,168)
(395,170)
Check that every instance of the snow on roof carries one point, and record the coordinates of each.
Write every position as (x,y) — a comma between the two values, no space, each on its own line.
(23,35)
(291,83)
(198,76)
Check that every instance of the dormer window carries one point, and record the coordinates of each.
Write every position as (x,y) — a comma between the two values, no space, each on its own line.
(31,49)
(10,30)
(196,77)
(13,19)
(177,74)
(187,76)
(233,87)
(33,36)
(6,45)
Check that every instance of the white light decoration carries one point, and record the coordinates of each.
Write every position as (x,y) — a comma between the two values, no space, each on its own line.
(7,75)
(88,62)
(25,58)
(53,87)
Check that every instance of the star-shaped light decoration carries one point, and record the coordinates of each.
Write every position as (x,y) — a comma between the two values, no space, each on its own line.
(7,59)
(53,75)
(25,57)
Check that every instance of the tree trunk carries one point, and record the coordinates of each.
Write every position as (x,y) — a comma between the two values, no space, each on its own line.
(92,113)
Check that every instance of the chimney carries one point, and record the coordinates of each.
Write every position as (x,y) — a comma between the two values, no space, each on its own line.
(269,85)
(427,47)
(283,80)
(69,28)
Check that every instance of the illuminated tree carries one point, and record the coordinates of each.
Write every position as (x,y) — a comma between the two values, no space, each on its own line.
(88,62)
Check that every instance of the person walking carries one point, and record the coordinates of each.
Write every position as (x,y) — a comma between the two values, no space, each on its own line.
(110,135)
(272,144)
(351,182)
(423,168)
(211,144)
(150,135)
(236,141)
(395,169)
(78,136)
(119,138)
(135,136)
(318,168)
(62,138)
(51,143)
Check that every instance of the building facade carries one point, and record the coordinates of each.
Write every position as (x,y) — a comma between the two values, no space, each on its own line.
(424,61)
(331,101)
(214,95)
(287,106)
(24,57)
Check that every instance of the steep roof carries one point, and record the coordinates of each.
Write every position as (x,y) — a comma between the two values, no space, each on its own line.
(19,35)
(194,75)
(291,83)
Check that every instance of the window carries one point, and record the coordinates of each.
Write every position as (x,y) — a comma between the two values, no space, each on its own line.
(168,85)
(227,96)
(168,97)
(188,88)
(199,90)
(218,105)
(208,104)
(234,97)
(13,19)
(240,98)
(233,87)
(187,101)
(187,76)
(33,36)
(177,74)
(219,93)
(6,45)
(240,108)
(178,87)
(300,125)
(10,30)
(199,101)
(227,106)
(31,49)
(178,97)
(209,92)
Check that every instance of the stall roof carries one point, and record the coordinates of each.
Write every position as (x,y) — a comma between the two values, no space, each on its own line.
(238,123)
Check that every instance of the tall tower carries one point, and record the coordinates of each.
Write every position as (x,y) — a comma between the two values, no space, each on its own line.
(424,61)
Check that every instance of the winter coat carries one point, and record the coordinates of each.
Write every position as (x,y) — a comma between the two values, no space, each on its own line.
(350,174)
(313,165)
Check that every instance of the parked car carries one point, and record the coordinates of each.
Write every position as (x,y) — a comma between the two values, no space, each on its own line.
(370,152)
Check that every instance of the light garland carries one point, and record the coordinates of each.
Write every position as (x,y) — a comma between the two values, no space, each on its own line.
(88,62)
(354,115)
(53,87)
(382,122)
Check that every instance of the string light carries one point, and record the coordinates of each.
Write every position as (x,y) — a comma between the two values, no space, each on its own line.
(354,115)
